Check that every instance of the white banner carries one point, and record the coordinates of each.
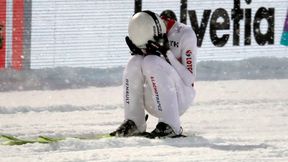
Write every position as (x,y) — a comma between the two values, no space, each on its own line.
(91,33)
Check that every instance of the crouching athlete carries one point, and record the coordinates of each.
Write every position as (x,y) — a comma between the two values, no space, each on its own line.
(159,77)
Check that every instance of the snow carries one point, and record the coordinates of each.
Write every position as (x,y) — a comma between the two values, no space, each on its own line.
(230,121)
(240,114)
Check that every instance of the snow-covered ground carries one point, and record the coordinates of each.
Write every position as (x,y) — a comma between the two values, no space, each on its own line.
(230,121)
(79,77)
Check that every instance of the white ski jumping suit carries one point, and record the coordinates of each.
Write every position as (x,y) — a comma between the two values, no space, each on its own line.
(165,91)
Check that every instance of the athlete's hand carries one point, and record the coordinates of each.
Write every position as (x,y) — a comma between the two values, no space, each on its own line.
(133,48)
(158,47)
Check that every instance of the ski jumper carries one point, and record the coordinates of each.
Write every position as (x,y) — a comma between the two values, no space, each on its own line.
(165,91)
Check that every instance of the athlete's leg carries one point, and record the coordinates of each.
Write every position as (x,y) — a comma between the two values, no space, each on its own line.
(133,97)
(161,86)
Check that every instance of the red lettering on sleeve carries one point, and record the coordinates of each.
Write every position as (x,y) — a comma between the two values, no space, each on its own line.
(189,62)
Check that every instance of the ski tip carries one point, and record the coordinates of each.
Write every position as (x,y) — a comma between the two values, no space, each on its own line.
(8,137)
(11,140)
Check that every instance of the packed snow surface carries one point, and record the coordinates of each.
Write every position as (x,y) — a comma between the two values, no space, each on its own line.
(230,121)
(240,114)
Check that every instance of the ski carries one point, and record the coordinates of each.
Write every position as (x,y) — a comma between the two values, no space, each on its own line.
(13,140)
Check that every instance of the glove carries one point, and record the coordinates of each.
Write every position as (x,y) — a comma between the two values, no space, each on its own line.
(133,48)
(158,47)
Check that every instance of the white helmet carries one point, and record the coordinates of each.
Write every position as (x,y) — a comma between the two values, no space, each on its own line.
(144,26)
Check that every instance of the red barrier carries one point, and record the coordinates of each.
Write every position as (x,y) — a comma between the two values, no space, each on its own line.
(18,28)
(2,33)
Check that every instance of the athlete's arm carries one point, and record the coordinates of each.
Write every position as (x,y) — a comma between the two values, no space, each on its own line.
(183,72)
(189,51)
(186,70)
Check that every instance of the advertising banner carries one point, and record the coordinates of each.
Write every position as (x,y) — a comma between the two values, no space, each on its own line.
(239,29)
(284,40)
